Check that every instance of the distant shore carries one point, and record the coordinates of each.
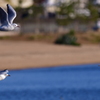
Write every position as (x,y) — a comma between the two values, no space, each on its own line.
(29,54)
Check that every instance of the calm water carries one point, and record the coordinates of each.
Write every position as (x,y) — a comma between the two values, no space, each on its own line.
(80,82)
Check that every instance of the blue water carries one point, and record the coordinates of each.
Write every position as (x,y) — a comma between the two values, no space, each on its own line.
(79,82)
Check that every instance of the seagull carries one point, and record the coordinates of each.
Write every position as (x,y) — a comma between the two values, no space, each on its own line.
(7,18)
(4,74)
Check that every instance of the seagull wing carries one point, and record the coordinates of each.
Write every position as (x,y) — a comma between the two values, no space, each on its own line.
(3,16)
(11,13)
(4,71)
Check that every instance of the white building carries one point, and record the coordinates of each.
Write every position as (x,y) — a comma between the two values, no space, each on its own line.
(97,2)
(25,3)
(51,5)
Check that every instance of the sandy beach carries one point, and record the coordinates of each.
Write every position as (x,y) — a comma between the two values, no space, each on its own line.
(29,54)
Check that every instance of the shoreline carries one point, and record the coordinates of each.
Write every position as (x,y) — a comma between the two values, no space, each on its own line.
(28,54)
(57,66)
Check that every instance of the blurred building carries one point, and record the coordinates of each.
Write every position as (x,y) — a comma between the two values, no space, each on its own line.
(25,3)
(51,6)
(97,2)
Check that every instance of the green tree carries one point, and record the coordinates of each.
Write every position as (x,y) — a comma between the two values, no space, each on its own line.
(93,12)
(66,13)
(37,10)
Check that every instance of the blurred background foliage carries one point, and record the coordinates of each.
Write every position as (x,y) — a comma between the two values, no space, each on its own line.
(65,14)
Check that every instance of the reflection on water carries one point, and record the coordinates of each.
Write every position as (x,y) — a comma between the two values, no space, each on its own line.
(80,82)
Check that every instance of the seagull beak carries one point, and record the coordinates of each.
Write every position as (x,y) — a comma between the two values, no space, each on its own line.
(18,26)
(8,75)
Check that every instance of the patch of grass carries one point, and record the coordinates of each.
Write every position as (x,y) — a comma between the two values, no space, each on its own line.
(4,37)
(95,38)
(41,37)
(36,37)
(31,37)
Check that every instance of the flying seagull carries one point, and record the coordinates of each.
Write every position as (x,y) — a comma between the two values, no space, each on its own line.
(4,74)
(7,18)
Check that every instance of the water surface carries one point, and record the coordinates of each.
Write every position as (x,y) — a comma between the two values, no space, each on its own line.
(79,82)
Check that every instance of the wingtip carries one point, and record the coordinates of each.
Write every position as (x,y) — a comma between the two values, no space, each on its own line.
(7,5)
(5,69)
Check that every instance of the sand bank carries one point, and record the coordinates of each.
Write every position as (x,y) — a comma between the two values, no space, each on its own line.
(25,54)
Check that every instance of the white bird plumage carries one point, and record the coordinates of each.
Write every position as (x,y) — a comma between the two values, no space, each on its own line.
(4,74)
(7,19)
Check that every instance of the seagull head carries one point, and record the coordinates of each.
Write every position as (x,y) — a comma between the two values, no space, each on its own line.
(16,25)
(7,75)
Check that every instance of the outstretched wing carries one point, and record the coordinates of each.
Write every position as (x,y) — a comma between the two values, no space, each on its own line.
(4,71)
(11,13)
(3,16)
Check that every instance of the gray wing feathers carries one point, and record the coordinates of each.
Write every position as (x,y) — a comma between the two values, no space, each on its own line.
(4,71)
(11,13)
(3,16)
